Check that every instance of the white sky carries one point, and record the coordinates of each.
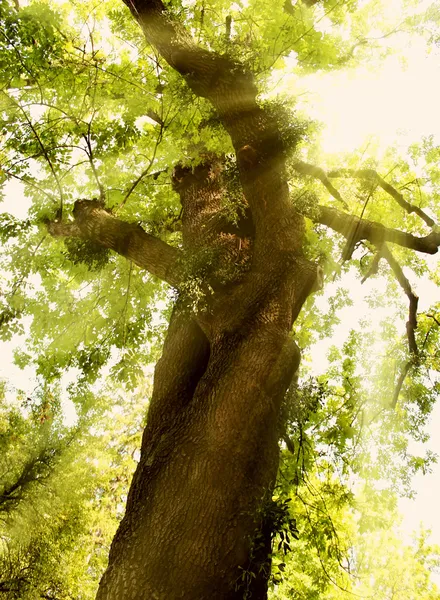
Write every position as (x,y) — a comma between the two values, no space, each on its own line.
(396,105)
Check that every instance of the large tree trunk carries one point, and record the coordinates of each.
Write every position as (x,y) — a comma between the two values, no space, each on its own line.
(209,454)
(194,521)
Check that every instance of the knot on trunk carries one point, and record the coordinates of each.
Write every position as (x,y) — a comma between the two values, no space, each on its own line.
(85,207)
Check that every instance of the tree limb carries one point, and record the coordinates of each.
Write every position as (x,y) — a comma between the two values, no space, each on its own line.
(42,146)
(374,266)
(318,173)
(434,319)
(399,383)
(411,324)
(232,91)
(36,469)
(206,72)
(89,152)
(372,175)
(92,222)
(372,231)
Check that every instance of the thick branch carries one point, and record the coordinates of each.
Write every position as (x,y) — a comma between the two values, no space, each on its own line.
(374,176)
(94,223)
(411,324)
(206,72)
(231,89)
(376,233)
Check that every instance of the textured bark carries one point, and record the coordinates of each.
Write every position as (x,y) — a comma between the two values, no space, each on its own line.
(204,471)
(231,89)
(94,223)
(209,453)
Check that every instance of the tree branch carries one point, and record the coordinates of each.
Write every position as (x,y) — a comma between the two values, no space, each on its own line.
(42,146)
(399,383)
(411,324)
(206,72)
(92,222)
(36,469)
(89,152)
(318,173)
(434,319)
(374,266)
(372,175)
(231,89)
(145,172)
(372,231)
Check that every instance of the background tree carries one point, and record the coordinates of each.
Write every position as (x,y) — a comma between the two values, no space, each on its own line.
(62,491)
(226,207)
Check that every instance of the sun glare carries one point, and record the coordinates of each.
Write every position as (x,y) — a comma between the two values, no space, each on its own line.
(392,107)
(396,105)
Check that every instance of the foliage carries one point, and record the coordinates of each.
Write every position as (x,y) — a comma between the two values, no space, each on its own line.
(87,111)
(62,490)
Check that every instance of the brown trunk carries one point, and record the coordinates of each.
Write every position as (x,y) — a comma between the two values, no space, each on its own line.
(209,454)
(194,525)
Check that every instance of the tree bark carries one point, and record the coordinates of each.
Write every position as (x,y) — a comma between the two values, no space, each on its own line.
(92,222)
(194,520)
(209,454)
(357,229)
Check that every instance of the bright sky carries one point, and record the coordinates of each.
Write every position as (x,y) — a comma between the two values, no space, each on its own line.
(396,105)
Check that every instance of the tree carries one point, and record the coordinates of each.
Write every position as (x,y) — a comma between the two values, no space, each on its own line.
(241,253)
(61,490)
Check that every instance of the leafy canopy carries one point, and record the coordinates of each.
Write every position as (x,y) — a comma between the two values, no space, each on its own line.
(88,110)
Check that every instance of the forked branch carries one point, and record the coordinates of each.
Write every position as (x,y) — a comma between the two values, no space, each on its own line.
(374,232)
(318,173)
(231,89)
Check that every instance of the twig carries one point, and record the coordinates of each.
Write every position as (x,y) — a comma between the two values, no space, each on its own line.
(144,172)
(43,149)
(434,319)
(89,153)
